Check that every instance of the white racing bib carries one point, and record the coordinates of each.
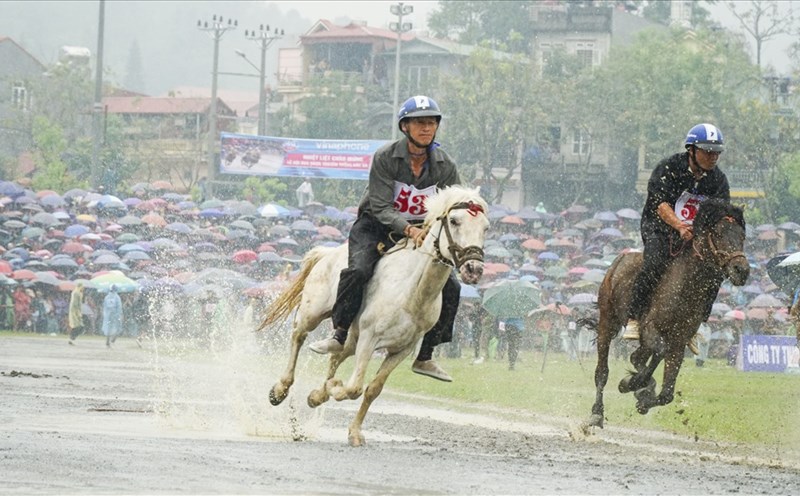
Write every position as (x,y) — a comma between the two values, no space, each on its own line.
(687,205)
(410,201)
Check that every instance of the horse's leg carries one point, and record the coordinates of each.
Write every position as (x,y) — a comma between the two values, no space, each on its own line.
(672,365)
(604,336)
(280,389)
(634,380)
(355,384)
(321,394)
(354,435)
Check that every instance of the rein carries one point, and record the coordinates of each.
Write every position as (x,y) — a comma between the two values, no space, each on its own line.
(722,258)
(460,254)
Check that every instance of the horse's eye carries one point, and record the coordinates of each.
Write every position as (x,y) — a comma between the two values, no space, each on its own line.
(454,222)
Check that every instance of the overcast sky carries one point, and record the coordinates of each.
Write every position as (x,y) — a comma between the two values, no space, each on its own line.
(376,13)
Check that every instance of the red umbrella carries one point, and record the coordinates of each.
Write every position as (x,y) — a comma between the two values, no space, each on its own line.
(735,315)
(533,244)
(244,256)
(266,247)
(512,219)
(161,185)
(24,275)
(5,268)
(329,231)
(497,268)
(758,314)
(73,247)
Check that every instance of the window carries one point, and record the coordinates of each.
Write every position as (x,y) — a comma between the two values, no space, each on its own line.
(581,142)
(19,96)
(419,78)
(585,57)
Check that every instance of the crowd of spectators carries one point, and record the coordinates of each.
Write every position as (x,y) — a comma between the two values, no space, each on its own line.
(186,268)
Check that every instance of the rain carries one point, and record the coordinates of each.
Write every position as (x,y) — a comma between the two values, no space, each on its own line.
(187,156)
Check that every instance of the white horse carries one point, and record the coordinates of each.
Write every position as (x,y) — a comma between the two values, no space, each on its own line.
(401,303)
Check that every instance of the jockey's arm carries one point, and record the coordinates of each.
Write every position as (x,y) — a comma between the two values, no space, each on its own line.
(667,214)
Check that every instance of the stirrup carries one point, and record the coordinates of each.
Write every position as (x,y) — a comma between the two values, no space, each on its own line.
(631,330)
(692,345)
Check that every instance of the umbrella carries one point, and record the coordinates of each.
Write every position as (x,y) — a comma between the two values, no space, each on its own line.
(178,227)
(594,275)
(44,219)
(244,256)
(76,230)
(136,256)
(497,252)
(548,255)
(32,232)
(48,278)
(606,217)
(765,301)
(303,225)
(628,213)
(153,219)
(329,232)
(720,308)
(242,224)
(15,224)
(533,244)
(758,314)
(63,263)
(784,271)
(107,259)
(127,238)
(129,220)
(734,315)
(213,203)
(582,299)
(6,281)
(511,299)
(608,232)
(273,210)
(24,275)
(116,278)
(512,219)
(211,213)
(556,308)
(161,185)
(74,247)
(272,257)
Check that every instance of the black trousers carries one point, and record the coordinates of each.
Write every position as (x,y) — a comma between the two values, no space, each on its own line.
(365,235)
(656,260)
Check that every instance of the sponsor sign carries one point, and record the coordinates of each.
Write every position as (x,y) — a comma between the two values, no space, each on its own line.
(270,156)
(769,354)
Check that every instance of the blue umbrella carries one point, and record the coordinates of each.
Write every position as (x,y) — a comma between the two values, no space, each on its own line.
(128,247)
(76,230)
(178,227)
(211,213)
(10,189)
(548,255)
(52,201)
(468,291)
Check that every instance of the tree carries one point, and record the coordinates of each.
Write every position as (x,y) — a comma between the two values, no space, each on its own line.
(49,147)
(491,106)
(503,24)
(763,21)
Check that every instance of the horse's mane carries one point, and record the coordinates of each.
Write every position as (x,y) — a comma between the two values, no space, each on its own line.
(447,197)
(714,209)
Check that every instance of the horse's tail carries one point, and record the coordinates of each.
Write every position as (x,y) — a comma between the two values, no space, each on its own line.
(290,298)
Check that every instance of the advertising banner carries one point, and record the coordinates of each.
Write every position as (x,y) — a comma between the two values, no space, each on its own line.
(769,354)
(269,156)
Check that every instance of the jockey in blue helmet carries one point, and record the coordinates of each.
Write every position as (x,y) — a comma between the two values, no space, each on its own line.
(677,186)
(418,106)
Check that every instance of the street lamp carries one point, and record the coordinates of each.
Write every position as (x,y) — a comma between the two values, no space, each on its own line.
(398,27)
(263,39)
(215,29)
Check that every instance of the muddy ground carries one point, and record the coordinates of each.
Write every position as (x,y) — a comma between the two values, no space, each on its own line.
(128,420)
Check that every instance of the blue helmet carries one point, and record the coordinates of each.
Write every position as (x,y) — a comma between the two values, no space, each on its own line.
(706,137)
(418,106)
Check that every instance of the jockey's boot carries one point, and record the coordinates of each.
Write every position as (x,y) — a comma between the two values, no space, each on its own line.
(333,344)
(631,330)
(431,369)
(692,345)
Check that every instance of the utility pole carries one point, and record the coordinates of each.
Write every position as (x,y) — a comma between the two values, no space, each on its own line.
(97,108)
(398,27)
(216,29)
(263,39)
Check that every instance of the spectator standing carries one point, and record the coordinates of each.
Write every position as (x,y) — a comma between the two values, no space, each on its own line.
(112,316)
(75,313)
(304,193)
(22,308)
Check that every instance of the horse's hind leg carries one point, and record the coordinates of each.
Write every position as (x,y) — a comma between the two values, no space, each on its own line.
(672,365)
(639,378)
(374,388)
(600,377)
(301,329)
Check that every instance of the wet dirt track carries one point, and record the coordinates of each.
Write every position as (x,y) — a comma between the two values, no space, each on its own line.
(88,420)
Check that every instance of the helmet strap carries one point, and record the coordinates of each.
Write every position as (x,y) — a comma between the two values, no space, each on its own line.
(417,143)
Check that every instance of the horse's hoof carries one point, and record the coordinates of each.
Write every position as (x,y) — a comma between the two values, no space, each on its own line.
(625,384)
(356,440)
(316,398)
(275,398)
(595,420)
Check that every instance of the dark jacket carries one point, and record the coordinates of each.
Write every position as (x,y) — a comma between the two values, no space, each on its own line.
(669,180)
(392,163)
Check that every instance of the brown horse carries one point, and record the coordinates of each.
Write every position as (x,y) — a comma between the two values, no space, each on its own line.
(679,304)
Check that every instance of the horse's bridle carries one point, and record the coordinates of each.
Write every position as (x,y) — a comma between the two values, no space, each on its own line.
(723,258)
(460,255)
